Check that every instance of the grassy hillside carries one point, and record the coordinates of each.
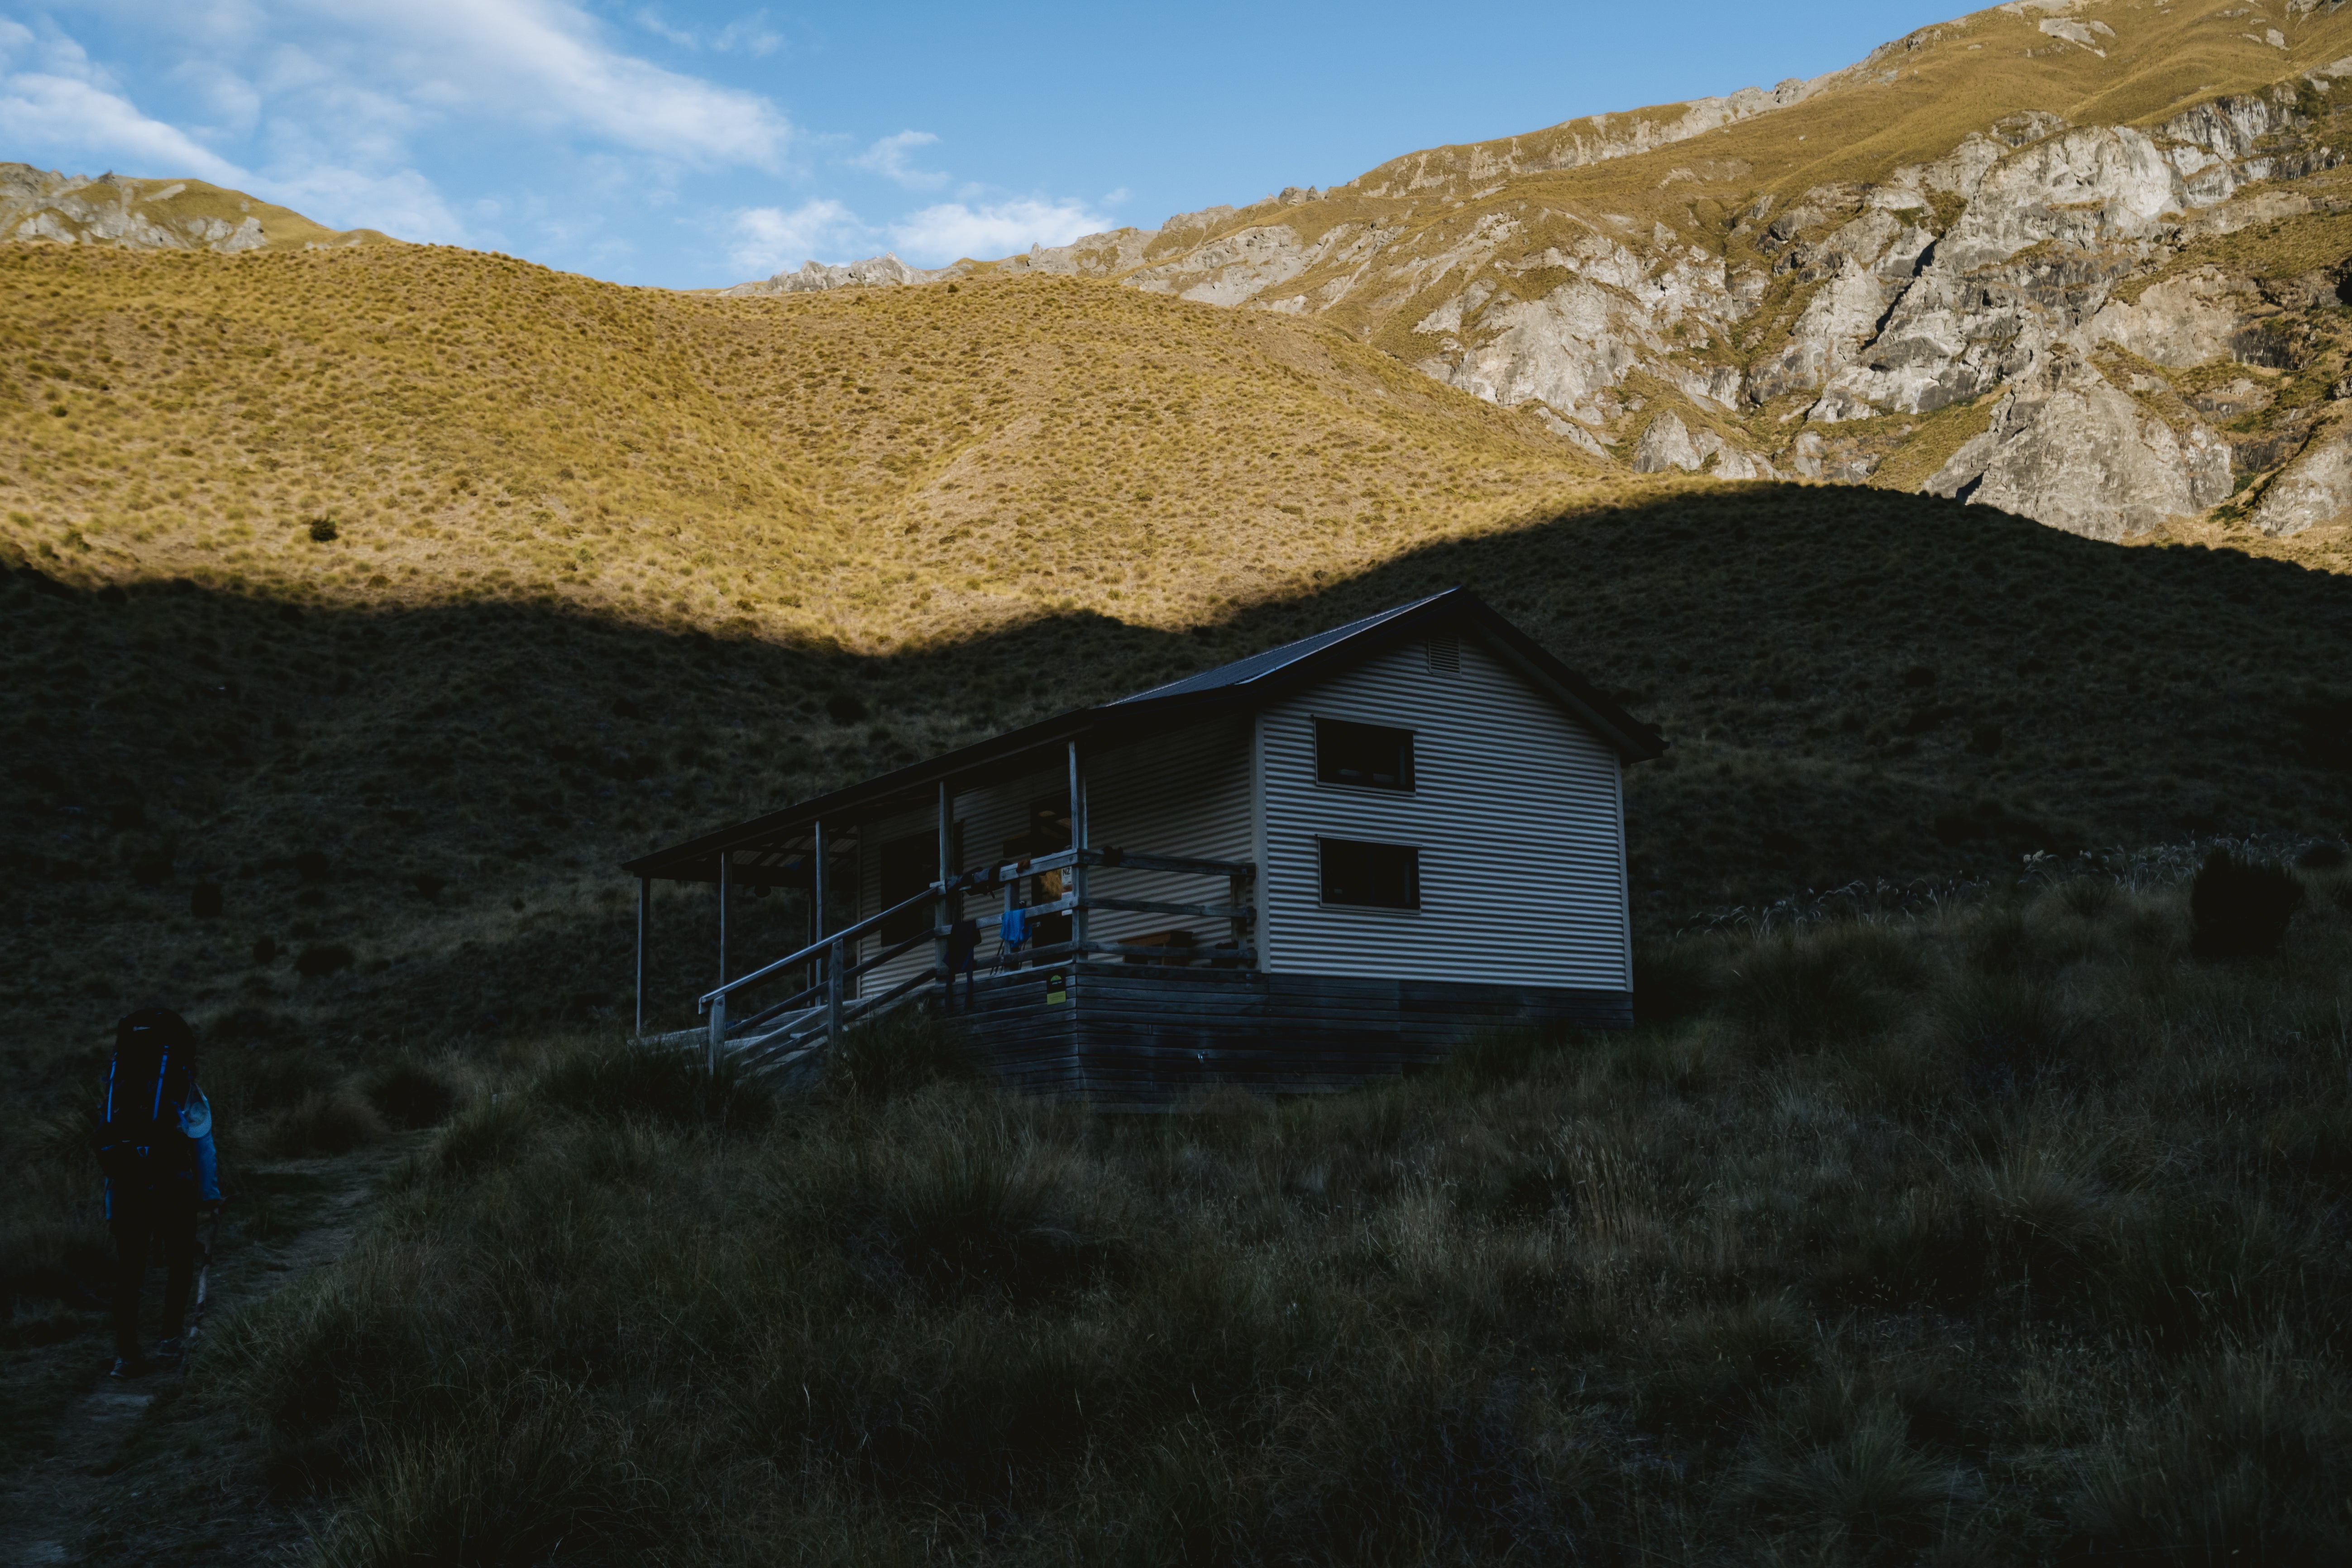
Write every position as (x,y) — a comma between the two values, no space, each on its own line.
(867,468)
(1856,684)
(2011,1235)
(606,565)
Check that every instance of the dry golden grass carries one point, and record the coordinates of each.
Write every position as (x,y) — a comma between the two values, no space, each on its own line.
(867,467)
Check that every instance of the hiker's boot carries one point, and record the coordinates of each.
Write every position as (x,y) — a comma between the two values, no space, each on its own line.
(127,1367)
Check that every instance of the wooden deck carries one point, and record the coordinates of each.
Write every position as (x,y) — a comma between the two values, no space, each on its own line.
(1149,1037)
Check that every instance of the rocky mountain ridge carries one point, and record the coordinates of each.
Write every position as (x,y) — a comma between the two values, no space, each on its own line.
(2078,260)
(153,215)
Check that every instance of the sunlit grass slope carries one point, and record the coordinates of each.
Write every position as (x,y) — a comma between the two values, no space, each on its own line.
(867,466)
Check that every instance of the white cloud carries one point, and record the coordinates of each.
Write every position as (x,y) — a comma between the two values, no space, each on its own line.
(769,240)
(69,107)
(547,62)
(887,158)
(949,230)
(685,39)
(233,100)
(70,111)
(404,203)
(750,34)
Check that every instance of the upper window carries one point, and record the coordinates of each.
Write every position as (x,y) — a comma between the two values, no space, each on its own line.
(1377,876)
(1370,756)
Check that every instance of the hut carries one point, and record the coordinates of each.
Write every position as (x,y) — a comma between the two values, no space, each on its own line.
(1325,862)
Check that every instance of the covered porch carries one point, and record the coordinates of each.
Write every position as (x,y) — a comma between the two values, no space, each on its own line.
(876,938)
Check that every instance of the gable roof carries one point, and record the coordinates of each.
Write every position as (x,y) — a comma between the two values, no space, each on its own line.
(1275,660)
(772,850)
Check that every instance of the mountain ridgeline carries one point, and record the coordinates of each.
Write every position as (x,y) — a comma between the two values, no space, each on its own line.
(2079,261)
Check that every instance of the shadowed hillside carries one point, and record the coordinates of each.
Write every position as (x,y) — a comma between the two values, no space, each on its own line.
(1855,684)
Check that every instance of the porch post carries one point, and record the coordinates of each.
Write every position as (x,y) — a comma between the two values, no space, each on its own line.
(1079,841)
(816,894)
(831,954)
(644,898)
(832,962)
(941,917)
(724,858)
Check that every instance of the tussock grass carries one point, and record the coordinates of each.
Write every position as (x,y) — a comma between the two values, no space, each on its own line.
(321,1123)
(441,792)
(412,424)
(1777,1279)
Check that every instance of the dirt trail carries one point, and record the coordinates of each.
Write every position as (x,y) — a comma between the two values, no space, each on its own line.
(299,1214)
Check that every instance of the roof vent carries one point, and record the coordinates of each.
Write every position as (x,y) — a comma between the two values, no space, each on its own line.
(1445,655)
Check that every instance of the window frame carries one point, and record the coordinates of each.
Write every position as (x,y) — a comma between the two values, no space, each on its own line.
(1322,897)
(1411,784)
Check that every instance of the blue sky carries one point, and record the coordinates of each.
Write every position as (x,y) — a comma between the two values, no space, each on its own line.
(679,143)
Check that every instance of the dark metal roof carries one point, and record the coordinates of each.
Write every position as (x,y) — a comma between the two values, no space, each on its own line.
(1273,660)
(773,849)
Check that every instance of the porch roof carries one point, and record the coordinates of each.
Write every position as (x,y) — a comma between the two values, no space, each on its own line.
(775,849)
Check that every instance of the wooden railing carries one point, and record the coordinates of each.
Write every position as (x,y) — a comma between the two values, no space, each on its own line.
(816,1014)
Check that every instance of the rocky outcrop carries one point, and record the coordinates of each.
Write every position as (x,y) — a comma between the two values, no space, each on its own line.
(110,210)
(2069,449)
(1838,320)
(1573,144)
(883,271)
(2316,489)
(2182,321)
(1239,266)
(1668,442)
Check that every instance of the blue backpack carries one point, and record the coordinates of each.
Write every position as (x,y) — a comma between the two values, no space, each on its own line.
(140,1143)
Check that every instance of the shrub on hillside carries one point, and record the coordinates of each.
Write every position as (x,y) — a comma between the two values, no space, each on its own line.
(321,959)
(243,1081)
(322,1124)
(2241,908)
(2006,1030)
(896,1055)
(624,1082)
(1671,979)
(408,1094)
(1822,988)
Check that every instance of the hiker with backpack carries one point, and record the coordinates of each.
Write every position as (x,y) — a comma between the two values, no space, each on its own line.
(155,1145)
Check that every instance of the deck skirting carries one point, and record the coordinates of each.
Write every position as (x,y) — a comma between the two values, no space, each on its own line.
(1150,1036)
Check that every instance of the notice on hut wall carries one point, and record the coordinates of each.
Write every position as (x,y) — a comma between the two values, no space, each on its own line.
(1057,990)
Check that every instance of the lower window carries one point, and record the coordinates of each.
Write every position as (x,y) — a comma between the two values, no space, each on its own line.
(1375,876)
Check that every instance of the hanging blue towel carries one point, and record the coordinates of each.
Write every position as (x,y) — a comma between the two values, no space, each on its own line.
(1014,929)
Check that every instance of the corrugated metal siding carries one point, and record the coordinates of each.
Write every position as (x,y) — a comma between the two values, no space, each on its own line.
(1183,794)
(1516,811)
